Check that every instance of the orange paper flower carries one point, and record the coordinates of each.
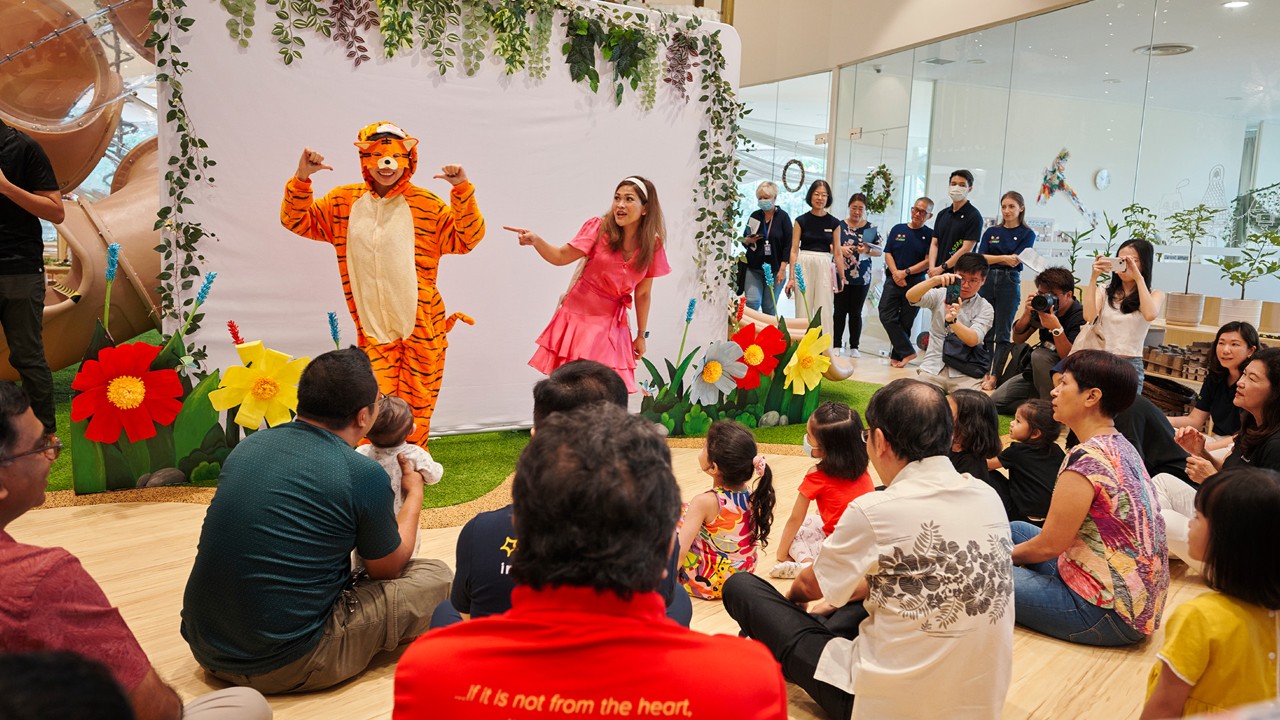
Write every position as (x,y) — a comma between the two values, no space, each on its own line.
(120,392)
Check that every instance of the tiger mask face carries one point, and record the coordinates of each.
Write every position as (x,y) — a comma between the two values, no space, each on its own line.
(386,162)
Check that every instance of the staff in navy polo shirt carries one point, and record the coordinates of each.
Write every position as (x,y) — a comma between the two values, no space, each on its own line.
(1001,245)
(958,227)
(906,257)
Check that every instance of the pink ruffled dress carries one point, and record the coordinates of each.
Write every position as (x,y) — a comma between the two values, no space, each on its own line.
(592,322)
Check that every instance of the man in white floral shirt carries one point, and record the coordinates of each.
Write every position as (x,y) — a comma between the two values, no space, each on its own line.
(928,560)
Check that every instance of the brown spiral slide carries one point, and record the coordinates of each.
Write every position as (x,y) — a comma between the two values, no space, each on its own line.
(51,68)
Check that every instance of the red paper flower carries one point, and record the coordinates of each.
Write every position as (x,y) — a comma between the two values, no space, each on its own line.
(119,391)
(760,352)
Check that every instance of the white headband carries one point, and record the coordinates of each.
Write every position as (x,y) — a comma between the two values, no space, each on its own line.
(644,194)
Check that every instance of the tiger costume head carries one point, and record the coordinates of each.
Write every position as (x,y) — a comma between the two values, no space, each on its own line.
(388,157)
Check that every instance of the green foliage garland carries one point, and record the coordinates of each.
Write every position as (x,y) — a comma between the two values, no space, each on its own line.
(180,238)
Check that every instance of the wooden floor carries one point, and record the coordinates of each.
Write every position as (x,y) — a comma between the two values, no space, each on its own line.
(142,554)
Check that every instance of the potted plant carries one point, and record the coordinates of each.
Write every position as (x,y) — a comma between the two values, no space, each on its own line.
(1259,257)
(1188,227)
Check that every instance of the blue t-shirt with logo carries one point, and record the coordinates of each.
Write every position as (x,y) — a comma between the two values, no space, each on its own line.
(908,246)
(1000,240)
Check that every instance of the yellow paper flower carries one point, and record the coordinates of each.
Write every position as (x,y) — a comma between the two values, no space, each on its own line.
(266,387)
(805,368)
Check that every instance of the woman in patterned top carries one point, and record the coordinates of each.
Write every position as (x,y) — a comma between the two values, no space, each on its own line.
(1098,573)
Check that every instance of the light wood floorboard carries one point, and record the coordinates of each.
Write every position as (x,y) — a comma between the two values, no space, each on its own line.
(141,554)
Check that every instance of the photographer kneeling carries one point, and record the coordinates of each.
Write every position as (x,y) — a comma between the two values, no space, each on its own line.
(1054,312)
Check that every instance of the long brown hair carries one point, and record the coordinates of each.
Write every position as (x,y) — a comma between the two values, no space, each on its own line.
(1016,196)
(652,228)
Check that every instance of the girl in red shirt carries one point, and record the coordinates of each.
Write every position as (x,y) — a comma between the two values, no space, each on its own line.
(834,437)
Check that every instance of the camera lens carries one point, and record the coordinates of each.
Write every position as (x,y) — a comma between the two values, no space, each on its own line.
(1044,302)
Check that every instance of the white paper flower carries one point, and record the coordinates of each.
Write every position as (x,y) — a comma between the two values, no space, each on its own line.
(721,368)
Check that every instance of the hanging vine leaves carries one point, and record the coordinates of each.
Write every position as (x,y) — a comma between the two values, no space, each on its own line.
(583,35)
(350,17)
(510,22)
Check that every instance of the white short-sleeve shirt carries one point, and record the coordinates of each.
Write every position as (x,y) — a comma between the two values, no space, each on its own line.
(935,549)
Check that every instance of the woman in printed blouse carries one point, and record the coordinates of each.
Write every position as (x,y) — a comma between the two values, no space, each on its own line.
(1098,573)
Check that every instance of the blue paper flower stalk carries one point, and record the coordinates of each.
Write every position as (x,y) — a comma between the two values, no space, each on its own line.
(688,318)
(333,330)
(113,263)
(799,271)
(768,282)
(201,296)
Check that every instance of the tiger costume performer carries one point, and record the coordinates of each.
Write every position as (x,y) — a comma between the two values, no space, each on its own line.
(389,246)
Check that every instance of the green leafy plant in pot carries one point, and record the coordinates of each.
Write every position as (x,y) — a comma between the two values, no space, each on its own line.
(1259,257)
(1188,227)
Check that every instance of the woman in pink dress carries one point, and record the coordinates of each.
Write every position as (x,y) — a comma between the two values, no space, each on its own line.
(624,253)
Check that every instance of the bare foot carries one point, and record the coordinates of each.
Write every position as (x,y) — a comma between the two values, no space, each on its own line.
(907,359)
(989,383)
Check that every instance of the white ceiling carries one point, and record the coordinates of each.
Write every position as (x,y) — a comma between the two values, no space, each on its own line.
(1084,51)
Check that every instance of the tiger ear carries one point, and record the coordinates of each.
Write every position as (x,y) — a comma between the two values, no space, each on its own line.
(364,144)
(410,143)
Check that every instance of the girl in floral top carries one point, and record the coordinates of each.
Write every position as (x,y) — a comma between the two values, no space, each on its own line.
(722,528)
(1098,573)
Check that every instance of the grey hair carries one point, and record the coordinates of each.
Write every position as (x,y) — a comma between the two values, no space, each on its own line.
(768,185)
(926,199)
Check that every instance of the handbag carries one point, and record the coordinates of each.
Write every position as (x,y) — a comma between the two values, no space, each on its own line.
(1090,338)
(971,361)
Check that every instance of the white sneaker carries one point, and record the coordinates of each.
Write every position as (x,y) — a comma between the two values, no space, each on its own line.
(786,570)
(853,352)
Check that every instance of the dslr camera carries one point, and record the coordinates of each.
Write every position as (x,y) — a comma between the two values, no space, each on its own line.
(1045,303)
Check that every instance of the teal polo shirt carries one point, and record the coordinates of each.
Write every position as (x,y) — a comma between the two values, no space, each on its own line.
(275,550)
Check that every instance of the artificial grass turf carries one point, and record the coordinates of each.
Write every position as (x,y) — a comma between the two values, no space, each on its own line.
(474,464)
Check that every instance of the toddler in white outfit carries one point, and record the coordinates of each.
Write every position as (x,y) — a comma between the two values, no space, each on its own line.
(387,441)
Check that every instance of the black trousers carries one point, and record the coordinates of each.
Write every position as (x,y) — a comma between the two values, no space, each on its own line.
(22,317)
(898,316)
(848,306)
(795,637)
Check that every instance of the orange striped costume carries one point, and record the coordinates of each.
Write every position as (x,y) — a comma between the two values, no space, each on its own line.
(388,264)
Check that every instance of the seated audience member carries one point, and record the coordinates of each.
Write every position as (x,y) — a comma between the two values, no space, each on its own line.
(1234,345)
(271,603)
(1257,444)
(1220,647)
(482,583)
(595,505)
(49,603)
(1032,459)
(975,438)
(34,686)
(1147,429)
(968,319)
(937,640)
(1098,573)
(1055,329)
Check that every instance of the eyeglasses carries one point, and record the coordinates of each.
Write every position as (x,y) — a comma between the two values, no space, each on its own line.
(866,435)
(919,211)
(50,450)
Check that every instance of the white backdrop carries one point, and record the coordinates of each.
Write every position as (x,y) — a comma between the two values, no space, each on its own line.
(544,155)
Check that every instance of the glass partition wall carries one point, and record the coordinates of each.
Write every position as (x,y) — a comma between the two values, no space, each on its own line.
(1165,103)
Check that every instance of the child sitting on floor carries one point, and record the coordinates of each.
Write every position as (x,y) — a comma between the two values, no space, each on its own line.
(834,437)
(1033,460)
(387,439)
(1220,647)
(976,437)
(722,528)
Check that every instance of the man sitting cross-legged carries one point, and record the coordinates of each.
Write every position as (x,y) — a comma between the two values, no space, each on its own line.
(270,603)
(595,505)
(930,559)
(48,602)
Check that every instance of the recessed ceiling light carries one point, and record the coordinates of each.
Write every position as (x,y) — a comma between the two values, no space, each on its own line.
(1233,98)
(1164,49)
(1233,4)
(977,61)
(1112,81)
(936,61)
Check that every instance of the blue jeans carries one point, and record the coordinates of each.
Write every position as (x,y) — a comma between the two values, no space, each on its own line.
(757,294)
(1002,290)
(1044,603)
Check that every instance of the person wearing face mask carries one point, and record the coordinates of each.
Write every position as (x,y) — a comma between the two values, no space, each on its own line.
(957,229)
(768,242)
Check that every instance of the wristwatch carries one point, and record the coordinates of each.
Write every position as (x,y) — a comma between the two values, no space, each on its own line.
(645,334)
(950,322)
(1056,332)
